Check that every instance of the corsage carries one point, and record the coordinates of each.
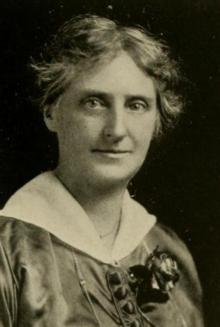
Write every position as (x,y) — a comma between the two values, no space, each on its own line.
(154,281)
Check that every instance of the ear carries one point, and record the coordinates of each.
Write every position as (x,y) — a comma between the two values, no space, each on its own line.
(50,118)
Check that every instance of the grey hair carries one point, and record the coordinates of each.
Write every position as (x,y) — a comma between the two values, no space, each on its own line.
(86,40)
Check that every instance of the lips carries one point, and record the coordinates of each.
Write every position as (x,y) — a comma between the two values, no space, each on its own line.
(111,151)
(112,154)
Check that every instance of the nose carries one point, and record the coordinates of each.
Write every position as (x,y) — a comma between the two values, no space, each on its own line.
(115,127)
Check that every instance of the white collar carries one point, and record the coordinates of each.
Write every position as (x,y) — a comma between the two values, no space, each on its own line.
(46,203)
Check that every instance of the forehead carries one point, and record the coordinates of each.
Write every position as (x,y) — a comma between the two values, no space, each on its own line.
(120,75)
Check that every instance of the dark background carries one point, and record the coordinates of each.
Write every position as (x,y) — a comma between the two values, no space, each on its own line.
(180,182)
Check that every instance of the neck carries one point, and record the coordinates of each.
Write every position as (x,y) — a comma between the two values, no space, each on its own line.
(102,204)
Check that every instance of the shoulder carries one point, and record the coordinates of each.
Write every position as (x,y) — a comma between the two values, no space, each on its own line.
(25,249)
(167,240)
(29,200)
(21,240)
(14,228)
(164,237)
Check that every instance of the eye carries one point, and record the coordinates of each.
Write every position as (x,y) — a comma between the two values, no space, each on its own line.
(138,106)
(94,104)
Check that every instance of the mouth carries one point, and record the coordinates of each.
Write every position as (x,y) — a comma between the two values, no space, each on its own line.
(112,153)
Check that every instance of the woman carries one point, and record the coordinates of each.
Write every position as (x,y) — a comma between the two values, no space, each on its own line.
(76,250)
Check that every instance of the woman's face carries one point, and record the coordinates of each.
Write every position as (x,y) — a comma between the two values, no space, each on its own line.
(105,122)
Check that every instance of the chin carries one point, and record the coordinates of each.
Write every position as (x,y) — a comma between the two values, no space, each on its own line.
(114,177)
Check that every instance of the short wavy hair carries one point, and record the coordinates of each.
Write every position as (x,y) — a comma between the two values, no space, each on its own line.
(87,40)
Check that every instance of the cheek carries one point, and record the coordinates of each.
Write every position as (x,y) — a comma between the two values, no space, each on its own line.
(78,132)
(145,132)
(68,136)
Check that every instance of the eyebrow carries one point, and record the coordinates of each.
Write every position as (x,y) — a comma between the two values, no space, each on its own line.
(109,96)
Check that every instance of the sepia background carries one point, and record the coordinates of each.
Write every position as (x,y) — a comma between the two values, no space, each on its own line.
(180,181)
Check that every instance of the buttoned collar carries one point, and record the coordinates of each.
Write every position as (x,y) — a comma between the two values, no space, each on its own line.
(46,203)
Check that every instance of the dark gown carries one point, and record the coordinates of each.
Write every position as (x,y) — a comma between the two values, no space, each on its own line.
(41,283)
(55,271)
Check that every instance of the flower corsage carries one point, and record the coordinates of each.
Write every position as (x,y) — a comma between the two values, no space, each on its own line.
(154,281)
